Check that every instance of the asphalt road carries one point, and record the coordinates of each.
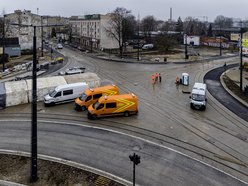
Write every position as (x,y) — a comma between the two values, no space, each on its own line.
(100,149)
(212,80)
(216,136)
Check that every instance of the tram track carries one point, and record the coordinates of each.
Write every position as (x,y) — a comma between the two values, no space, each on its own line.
(160,138)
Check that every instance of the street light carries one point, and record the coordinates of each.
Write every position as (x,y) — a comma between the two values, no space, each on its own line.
(220,43)
(42,37)
(3,55)
(34,176)
(136,160)
(138,57)
(241,59)
(186,45)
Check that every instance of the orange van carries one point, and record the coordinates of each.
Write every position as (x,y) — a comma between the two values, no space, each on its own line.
(124,104)
(90,96)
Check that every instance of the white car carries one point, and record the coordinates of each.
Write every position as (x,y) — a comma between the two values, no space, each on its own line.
(74,70)
(59,46)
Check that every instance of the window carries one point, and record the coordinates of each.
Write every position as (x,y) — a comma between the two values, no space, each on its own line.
(88,98)
(100,106)
(96,96)
(110,105)
(67,92)
(58,94)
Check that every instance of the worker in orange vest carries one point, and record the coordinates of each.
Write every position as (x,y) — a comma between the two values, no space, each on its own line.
(177,80)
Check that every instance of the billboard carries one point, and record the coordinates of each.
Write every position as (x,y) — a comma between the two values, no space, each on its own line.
(191,40)
(235,37)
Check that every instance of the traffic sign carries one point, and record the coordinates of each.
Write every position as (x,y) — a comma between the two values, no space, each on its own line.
(244,42)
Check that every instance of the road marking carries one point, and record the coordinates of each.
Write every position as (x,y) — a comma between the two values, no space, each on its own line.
(139,138)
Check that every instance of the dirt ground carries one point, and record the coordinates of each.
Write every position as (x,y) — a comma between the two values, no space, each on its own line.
(234,88)
(17,169)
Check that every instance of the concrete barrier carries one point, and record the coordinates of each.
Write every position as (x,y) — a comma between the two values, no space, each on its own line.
(16,92)
(20,92)
(2,96)
(44,86)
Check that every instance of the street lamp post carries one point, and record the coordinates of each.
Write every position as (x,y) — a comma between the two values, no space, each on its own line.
(220,43)
(241,59)
(186,47)
(42,46)
(3,55)
(34,176)
(138,57)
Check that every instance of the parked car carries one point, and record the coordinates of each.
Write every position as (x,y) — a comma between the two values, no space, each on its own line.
(74,70)
(60,59)
(59,46)
(147,46)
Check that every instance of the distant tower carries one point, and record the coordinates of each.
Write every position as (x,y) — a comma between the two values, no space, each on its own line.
(170,15)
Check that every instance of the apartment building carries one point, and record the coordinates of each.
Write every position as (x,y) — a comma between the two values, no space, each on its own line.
(16,25)
(90,31)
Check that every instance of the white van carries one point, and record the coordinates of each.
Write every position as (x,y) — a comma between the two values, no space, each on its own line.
(148,46)
(65,93)
(198,98)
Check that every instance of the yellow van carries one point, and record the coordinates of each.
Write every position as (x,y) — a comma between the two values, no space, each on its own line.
(124,104)
(90,96)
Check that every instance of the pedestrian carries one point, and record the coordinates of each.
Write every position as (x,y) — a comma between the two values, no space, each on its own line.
(153,80)
(159,77)
(156,76)
(177,80)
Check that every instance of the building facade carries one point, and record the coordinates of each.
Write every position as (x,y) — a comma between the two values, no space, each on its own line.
(90,31)
(18,24)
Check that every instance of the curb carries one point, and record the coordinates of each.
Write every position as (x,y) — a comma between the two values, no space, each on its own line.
(230,92)
(69,163)
(163,63)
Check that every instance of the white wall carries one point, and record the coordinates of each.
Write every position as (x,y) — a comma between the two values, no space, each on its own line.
(20,92)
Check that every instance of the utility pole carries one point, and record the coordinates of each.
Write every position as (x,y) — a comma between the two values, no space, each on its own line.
(3,55)
(220,43)
(34,141)
(34,176)
(138,57)
(136,160)
(241,59)
(42,37)
(186,49)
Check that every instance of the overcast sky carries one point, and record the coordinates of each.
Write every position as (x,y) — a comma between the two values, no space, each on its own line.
(160,9)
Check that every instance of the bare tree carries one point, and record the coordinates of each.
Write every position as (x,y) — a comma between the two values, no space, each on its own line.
(165,41)
(222,21)
(121,26)
(193,26)
(149,24)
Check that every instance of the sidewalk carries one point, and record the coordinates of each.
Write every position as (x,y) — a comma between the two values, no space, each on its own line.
(234,75)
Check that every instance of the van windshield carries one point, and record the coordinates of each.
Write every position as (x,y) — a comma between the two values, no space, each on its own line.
(83,97)
(95,105)
(53,93)
(198,97)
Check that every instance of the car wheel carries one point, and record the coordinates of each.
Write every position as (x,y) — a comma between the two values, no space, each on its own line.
(191,106)
(94,117)
(83,108)
(78,108)
(126,113)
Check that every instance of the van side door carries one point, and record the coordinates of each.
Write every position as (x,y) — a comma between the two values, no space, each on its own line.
(68,94)
(111,108)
